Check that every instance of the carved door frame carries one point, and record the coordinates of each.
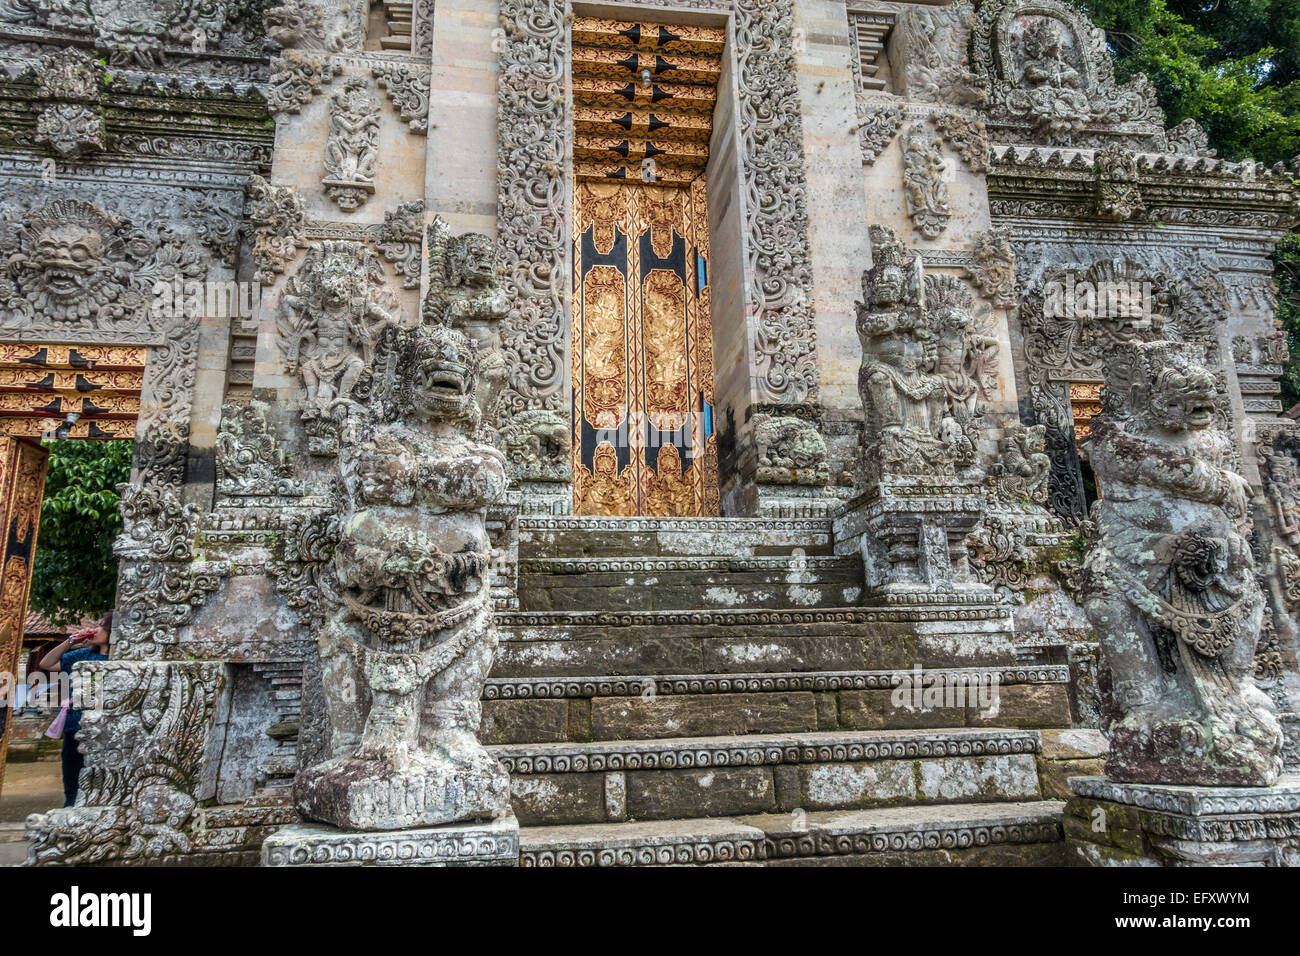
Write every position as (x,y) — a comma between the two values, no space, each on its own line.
(22,489)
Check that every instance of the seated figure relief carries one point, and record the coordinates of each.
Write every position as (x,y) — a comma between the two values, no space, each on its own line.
(1046,63)
(926,366)
(1169,580)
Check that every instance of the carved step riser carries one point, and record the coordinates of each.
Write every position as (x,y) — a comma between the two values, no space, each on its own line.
(723,791)
(815,540)
(569,652)
(709,592)
(1029,706)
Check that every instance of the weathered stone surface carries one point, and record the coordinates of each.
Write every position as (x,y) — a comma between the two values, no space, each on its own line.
(524,721)
(717,791)
(876,710)
(1024,705)
(560,797)
(626,718)
(1181,825)
(1181,698)
(1013,777)
(838,786)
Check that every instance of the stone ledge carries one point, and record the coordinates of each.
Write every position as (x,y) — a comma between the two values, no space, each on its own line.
(1109,823)
(667,843)
(644,524)
(757,839)
(1284,797)
(634,685)
(954,827)
(761,750)
(495,843)
(526,620)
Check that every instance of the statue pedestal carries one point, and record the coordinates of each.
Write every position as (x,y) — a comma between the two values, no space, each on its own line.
(1143,824)
(491,843)
(912,534)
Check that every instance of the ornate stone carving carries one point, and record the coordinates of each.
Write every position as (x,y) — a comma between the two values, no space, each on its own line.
(1073,319)
(903,399)
(321,25)
(70,129)
(333,312)
(407,649)
(399,241)
(790,451)
(1119,197)
(931,48)
(352,149)
(74,263)
(531,155)
(408,88)
(925,189)
(279,223)
(1169,580)
(877,127)
(967,136)
(1277,450)
(249,459)
(537,441)
(779,266)
(1050,74)
(964,356)
(465,293)
(72,124)
(1188,139)
(993,267)
(132,31)
(144,740)
(295,78)
(1022,469)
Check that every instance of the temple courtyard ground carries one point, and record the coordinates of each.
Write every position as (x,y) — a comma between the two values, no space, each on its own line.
(30,787)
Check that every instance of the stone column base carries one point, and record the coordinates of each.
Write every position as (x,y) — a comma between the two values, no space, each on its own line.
(494,843)
(1142,824)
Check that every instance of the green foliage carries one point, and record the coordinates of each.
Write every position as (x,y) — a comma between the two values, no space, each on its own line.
(75,573)
(1234,67)
(1287,263)
(1231,65)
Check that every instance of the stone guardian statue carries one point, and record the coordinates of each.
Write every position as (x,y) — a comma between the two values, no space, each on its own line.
(1169,580)
(407,649)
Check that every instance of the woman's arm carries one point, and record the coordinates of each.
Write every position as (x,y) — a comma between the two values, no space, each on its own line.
(51,660)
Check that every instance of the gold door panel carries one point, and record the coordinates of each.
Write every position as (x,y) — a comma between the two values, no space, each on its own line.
(22,486)
(643,352)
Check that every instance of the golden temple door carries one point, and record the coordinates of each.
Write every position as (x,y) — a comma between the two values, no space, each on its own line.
(644,442)
(643,435)
(22,485)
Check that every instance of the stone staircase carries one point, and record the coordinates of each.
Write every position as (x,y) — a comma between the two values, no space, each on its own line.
(712,691)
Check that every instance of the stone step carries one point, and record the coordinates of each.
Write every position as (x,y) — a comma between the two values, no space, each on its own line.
(582,643)
(646,584)
(571,536)
(1017,833)
(666,779)
(551,709)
